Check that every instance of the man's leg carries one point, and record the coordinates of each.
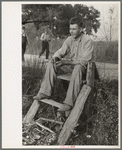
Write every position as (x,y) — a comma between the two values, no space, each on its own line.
(41,52)
(48,81)
(43,49)
(47,51)
(74,85)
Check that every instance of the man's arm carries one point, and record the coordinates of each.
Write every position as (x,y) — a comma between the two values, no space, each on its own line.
(27,40)
(67,62)
(88,52)
(87,56)
(63,51)
(42,37)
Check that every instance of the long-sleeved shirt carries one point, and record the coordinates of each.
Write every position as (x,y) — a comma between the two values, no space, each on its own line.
(45,37)
(79,49)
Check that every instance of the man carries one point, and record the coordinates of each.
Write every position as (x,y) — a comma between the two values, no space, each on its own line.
(45,44)
(24,42)
(80,48)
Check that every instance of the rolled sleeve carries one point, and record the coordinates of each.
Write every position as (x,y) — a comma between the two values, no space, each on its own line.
(88,53)
(42,37)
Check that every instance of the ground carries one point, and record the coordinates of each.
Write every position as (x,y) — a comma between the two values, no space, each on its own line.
(97,125)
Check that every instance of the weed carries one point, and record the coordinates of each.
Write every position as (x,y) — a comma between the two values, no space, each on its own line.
(98,127)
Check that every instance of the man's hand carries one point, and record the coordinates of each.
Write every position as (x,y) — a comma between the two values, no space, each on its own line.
(59,64)
(55,59)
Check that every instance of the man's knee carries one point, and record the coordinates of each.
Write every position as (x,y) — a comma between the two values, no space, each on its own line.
(79,68)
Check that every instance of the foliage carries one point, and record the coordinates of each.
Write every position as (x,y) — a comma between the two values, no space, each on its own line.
(59,15)
(90,17)
(100,125)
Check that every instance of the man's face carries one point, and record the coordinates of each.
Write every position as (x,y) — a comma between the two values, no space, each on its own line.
(75,30)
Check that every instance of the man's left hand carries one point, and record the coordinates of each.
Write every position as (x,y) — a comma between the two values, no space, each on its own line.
(59,64)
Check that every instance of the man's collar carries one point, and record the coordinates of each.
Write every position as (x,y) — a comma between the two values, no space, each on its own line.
(79,38)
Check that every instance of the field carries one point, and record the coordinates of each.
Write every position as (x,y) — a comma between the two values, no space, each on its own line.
(98,124)
(103,51)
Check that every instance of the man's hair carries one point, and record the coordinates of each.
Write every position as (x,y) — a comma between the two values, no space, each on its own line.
(76,20)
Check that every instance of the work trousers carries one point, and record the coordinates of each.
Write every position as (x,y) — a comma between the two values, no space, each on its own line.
(74,85)
(45,47)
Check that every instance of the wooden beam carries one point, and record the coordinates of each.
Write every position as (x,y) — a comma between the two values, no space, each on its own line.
(90,74)
(65,76)
(106,70)
(32,112)
(32,21)
(72,120)
(46,128)
(51,102)
(50,120)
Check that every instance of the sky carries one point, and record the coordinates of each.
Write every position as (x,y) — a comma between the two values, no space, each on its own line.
(103,7)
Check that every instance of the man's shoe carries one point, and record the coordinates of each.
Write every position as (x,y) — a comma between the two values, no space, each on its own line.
(40,96)
(64,107)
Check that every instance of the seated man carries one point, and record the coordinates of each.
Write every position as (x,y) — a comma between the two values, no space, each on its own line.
(80,48)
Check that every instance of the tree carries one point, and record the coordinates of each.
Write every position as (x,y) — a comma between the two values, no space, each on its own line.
(90,17)
(109,24)
(58,16)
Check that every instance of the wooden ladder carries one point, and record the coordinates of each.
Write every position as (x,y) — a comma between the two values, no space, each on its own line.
(75,113)
(86,91)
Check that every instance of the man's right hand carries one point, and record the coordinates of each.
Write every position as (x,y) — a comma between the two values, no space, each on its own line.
(55,59)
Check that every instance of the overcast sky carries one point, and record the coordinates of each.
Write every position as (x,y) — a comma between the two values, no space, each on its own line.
(103,7)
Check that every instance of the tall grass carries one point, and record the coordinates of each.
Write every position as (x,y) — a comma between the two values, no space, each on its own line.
(103,51)
(106,51)
(32,73)
(98,124)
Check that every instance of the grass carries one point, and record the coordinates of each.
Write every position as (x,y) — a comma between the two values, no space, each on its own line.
(106,51)
(98,124)
(103,51)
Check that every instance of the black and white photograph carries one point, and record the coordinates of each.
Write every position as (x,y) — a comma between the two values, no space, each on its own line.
(66,56)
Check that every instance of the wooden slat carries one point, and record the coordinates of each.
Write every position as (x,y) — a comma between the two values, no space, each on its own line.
(42,126)
(32,112)
(49,120)
(90,77)
(90,74)
(34,108)
(51,102)
(71,122)
(65,76)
